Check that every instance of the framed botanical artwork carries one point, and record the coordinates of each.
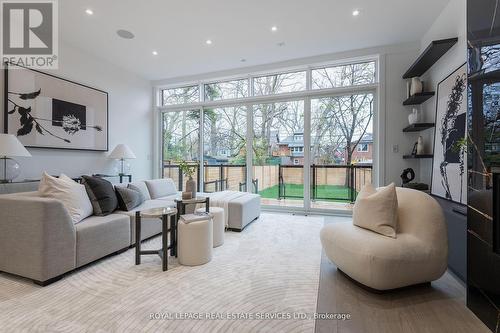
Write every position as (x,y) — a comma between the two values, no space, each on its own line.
(449,166)
(46,111)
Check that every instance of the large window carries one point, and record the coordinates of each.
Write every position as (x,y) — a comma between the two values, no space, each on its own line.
(339,126)
(343,76)
(184,95)
(295,137)
(278,152)
(224,150)
(279,83)
(226,90)
(180,142)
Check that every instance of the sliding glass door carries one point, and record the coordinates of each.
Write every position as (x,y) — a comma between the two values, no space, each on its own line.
(278,153)
(341,149)
(224,150)
(180,142)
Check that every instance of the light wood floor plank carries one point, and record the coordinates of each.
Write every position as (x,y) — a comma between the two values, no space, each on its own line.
(439,308)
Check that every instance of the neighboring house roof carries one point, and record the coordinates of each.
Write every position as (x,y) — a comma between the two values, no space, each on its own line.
(367,138)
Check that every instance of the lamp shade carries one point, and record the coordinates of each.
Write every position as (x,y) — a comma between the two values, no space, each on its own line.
(11,146)
(122,152)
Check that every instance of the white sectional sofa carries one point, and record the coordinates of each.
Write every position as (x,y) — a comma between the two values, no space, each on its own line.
(39,241)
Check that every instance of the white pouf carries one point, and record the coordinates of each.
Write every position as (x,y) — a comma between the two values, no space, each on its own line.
(194,242)
(218,224)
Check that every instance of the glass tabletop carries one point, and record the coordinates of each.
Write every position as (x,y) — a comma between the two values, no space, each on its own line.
(158,212)
(192,200)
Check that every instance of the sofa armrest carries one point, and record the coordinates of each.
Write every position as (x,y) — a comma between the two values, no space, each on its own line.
(37,237)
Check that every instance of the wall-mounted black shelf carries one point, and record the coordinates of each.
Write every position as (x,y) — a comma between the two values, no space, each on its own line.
(418,127)
(407,157)
(429,57)
(419,98)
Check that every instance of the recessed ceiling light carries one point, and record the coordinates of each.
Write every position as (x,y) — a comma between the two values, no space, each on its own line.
(274,28)
(125,34)
(89,11)
(208,42)
(155,53)
(243,60)
(355,12)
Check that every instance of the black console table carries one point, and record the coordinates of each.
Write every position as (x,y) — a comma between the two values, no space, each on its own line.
(115,176)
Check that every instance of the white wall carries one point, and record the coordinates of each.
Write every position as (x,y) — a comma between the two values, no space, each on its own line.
(450,23)
(130,119)
(395,60)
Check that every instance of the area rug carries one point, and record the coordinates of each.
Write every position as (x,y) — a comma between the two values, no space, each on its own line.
(264,279)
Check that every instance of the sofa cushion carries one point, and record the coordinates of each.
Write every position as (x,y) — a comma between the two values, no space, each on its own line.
(98,236)
(128,198)
(72,195)
(141,187)
(102,195)
(377,210)
(160,187)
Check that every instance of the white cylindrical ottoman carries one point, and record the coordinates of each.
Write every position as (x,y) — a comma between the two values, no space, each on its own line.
(194,242)
(219,224)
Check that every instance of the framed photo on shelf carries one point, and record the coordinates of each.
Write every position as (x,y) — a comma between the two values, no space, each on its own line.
(449,167)
(45,111)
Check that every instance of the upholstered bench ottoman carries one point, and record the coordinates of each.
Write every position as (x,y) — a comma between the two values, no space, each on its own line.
(240,208)
(243,210)
(218,224)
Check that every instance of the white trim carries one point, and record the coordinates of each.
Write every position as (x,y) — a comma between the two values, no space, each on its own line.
(306,169)
(157,139)
(317,93)
(249,148)
(377,89)
(379,142)
(201,147)
(285,70)
(217,77)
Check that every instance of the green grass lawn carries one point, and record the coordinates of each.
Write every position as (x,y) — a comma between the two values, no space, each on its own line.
(325,192)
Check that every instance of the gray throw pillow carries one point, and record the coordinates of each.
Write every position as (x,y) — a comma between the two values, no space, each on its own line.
(101,194)
(128,198)
(141,187)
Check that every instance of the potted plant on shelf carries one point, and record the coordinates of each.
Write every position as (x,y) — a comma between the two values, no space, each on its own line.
(189,170)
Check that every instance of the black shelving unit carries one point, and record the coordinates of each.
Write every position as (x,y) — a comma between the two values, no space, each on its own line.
(429,57)
(418,127)
(419,98)
(407,157)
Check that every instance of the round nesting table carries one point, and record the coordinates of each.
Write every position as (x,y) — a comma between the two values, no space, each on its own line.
(162,213)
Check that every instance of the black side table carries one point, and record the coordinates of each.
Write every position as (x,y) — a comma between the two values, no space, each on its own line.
(163,214)
(181,204)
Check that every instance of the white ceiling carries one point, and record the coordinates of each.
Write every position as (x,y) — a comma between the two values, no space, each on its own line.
(238,28)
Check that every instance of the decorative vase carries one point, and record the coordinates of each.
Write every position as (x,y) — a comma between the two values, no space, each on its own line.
(191,186)
(420,146)
(413,117)
(416,86)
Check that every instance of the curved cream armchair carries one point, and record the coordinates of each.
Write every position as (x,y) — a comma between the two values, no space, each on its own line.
(418,254)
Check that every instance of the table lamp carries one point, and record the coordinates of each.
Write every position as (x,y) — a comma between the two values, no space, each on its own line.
(10,146)
(122,152)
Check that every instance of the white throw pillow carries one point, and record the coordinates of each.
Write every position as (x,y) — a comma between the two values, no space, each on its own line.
(72,195)
(377,210)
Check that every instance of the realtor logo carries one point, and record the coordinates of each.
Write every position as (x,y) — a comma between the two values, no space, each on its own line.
(29,33)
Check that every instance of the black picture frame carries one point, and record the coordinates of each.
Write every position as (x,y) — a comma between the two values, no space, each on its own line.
(459,204)
(6,106)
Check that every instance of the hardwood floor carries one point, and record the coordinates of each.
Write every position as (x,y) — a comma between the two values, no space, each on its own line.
(438,308)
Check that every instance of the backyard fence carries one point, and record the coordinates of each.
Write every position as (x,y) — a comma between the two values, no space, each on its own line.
(328,182)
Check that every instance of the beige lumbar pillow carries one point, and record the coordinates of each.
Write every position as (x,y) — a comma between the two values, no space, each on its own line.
(72,195)
(377,210)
